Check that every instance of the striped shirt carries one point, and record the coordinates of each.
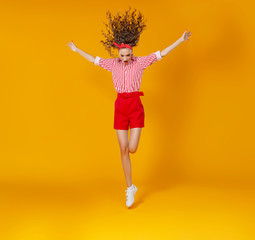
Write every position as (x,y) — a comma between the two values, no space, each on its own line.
(127,77)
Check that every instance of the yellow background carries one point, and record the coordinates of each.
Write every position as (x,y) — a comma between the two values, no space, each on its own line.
(61,175)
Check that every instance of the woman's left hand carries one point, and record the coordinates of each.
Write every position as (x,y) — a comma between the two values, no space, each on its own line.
(186,35)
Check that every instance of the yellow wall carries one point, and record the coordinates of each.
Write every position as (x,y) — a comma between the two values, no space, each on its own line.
(57,107)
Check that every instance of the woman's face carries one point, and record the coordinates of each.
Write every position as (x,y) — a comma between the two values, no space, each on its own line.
(125,54)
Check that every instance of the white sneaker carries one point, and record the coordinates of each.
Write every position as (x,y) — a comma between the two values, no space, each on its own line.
(130,193)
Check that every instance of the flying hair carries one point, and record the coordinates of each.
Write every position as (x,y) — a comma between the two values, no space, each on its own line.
(125,28)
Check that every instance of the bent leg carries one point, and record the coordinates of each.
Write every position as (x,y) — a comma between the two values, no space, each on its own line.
(126,164)
(134,138)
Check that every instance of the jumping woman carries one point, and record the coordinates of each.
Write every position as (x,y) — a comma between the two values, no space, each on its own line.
(123,33)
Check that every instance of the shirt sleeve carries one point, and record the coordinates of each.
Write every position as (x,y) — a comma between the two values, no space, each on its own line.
(146,61)
(107,63)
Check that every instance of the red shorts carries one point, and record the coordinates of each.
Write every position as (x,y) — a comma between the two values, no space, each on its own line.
(129,111)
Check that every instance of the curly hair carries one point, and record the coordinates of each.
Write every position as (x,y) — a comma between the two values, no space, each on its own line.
(123,29)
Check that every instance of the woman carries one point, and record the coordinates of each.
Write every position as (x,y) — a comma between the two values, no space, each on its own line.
(123,33)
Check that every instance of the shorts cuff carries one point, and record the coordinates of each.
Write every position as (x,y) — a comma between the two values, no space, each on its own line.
(141,125)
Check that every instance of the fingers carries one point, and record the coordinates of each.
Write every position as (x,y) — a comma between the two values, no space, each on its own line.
(72,46)
(186,35)
(187,32)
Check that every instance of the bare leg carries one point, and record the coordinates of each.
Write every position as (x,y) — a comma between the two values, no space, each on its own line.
(135,134)
(126,164)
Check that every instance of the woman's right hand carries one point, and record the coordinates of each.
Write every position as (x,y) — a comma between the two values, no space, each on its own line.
(72,46)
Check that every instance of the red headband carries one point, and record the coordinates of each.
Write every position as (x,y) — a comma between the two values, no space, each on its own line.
(122,45)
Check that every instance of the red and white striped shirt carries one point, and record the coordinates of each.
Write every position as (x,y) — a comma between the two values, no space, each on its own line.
(127,77)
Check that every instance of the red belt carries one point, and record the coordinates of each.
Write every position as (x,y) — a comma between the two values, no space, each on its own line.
(131,94)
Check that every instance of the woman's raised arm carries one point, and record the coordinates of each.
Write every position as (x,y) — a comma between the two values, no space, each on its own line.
(86,55)
(183,38)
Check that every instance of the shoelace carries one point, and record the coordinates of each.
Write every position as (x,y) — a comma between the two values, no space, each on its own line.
(128,191)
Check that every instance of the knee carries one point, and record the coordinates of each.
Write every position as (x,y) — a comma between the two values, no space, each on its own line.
(124,150)
(132,149)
